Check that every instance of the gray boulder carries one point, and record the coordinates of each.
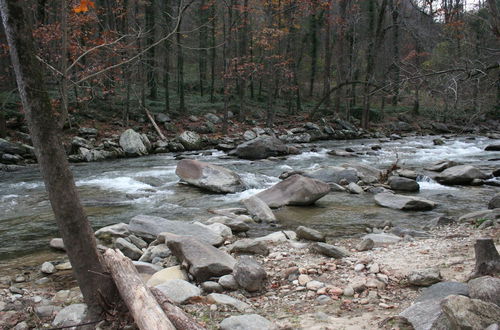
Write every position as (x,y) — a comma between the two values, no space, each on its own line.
(426,315)
(403,184)
(222,299)
(207,176)
(461,174)
(128,249)
(179,291)
(249,246)
(405,203)
(486,288)
(467,313)
(442,290)
(258,209)
(190,140)
(70,315)
(354,188)
(382,239)
(424,277)
(365,172)
(442,165)
(329,250)
(237,224)
(249,274)
(146,267)
(7,147)
(310,234)
(333,174)
(203,260)
(295,190)
(132,144)
(493,147)
(109,233)
(494,203)
(57,243)
(249,135)
(365,244)
(246,322)
(150,227)
(162,118)
(263,147)
(228,282)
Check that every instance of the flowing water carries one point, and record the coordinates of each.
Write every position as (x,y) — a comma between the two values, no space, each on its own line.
(115,191)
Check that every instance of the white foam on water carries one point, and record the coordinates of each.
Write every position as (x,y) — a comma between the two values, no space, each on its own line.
(427,183)
(253,180)
(121,184)
(310,154)
(160,172)
(26,185)
(239,195)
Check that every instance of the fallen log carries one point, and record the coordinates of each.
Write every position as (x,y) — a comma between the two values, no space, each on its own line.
(141,303)
(487,258)
(175,314)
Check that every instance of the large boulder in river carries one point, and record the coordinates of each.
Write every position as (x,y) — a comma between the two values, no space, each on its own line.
(295,190)
(132,143)
(333,174)
(203,260)
(403,184)
(190,140)
(263,147)
(150,227)
(461,174)
(493,147)
(207,176)
(405,203)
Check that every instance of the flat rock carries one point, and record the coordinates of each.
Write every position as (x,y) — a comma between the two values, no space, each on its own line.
(249,274)
(279,236)
(483,215)
(150,227)
(403,202)
(146,267)
(179,291)
(167,274)
(70,315)
(128,249)
(208,176)
(426,315)
(259,210)
(109,233)
(310,234)
(204,261)
(246,322)
(223,299)
(262,147)
(442,290)
(249,246)
(461,174)
(467,313)
(329,250)
(295,190)
(424,277)
(237,224)
(486,288)
(441,165)
(382,239)
(403,184)
(333,174)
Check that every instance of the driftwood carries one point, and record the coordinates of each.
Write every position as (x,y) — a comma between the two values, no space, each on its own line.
(152,120)
(175,314)
(487,258)
(140,301)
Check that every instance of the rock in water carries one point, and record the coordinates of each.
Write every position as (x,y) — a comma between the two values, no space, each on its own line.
(441,165)
(131,142)
(190,140)
(405,203)
(466,313)
(150,227)
(258,209)
(204,260)
(461,174)
(403,184)
(310,234)
(263,147)
(207,176)
(295,190)
(493,147)
(246,322)
(249,274)
(333,174)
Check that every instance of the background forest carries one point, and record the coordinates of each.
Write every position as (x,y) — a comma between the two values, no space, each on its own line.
(358,60)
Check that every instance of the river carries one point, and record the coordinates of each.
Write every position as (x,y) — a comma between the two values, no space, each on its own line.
(115,191)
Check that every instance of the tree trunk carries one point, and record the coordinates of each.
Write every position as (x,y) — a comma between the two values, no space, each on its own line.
(314,50)
(487,258)
(328,56)
(64,64)
(212,53)
(140,301)
(180,61)
(394,7)
(70,216)
(203,42)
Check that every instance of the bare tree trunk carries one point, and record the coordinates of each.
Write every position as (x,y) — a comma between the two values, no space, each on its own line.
(487,258)
(394,7)
(313,27)
(203,42)
(328,56)
(70,216)
(180,61)
(64,64)
(212,53)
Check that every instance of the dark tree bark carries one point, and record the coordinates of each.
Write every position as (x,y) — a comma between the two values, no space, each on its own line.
(59,183)
(212,52)
(180,61)
(203,43)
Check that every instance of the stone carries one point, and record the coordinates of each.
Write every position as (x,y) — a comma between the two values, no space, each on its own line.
(438,142)
(132,144)
(403,184)
(442,290)
(203,260)
(467,313)
(485,288)
(167,274)
(295,190)
(333,174)
(348,291)
(402,232)
(426,315)
(128,249)
(403,202)
(310,234)
(146,267)
(179,291)
(279,236)
(246,322)
(228,282)
(70,315)
(57,244)
(237,225)
(493,147)
(262,147)
(109,233)
(365,244)
(213,118)
(7,147)
(303,279)
(480,215)
(259,210)
(494,203)
(441,166)
(314,285)
(461,174)
(46,310)
(137,241)
(373,268)
(329,250)
(210,177)
(64,266)
(162,118)
(160,251)
(249,246)
(249,135)
(249,274)
(382,239)
(359,267)
(211,286)
(443,221)
(221,229)
(190,140)
(23,325)
(48,268)
(151,227)
(353,188)
(407,174)
(222,299)
(424,277)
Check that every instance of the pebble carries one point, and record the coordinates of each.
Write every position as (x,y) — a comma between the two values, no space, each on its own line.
(348,291)
(21,326)
(19,279)
(48,268)
(3,305)
(359,267)
(16,290)
(374,268)
(336,291)
(323,299)
(64,266)
(43,280)
(383,278)
(384,305)
(314,285)
(304,279)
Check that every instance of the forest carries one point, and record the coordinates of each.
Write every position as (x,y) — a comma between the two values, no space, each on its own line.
(357,60)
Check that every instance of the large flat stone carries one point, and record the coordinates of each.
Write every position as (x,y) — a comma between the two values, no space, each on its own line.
(426,315)
(179,291)
(461,174)
(246,322)
(403,202)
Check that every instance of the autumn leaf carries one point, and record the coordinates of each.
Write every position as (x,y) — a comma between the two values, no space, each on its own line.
(84,6)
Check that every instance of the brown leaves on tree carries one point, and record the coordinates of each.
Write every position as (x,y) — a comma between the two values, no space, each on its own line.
(83,7)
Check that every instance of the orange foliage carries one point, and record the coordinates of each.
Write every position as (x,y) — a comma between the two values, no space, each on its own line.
(84,6)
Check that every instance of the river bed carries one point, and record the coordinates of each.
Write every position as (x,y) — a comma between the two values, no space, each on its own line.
(115,191)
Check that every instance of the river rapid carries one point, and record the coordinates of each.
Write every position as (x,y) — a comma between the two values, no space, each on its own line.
(115,191)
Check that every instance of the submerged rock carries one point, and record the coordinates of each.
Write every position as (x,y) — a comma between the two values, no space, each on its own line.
(403,202)
(403,184)
(263,147)
(207,176)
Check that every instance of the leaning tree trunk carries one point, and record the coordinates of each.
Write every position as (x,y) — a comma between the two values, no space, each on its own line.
(59,183)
